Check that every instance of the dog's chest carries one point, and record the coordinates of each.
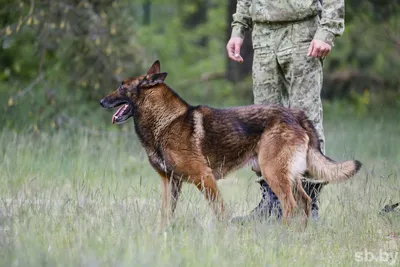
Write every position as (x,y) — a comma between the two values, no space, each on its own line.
(157,160)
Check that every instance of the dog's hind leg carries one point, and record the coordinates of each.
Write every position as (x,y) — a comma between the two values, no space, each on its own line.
(280,183)
(301,196)
(275,163)
(303,200)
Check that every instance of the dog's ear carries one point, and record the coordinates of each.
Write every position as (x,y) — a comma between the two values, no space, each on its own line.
(155,68)
(153,79)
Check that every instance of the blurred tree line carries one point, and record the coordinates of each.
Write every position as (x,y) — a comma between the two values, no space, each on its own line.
(58,58)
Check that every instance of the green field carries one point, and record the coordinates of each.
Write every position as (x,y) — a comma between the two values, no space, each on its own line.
(75,198)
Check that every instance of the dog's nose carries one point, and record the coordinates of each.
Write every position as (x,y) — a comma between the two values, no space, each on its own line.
(102,102)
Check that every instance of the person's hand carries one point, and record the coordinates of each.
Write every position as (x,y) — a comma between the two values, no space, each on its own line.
(233,49)
(318,48)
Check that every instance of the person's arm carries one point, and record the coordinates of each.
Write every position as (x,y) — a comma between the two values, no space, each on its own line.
(241,19)
(332,21)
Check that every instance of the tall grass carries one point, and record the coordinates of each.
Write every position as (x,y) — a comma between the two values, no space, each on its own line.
(80,199)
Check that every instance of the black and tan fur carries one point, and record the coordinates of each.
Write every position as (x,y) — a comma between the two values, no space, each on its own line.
(201,144)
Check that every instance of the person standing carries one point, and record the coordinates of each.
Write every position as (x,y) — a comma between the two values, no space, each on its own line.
(290,40)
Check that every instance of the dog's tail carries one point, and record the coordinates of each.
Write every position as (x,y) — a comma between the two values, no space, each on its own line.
(325,169)
(322,168)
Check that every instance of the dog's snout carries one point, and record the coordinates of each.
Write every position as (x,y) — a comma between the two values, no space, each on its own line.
(102,102)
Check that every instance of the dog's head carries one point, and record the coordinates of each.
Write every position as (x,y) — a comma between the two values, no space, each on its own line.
(129,92)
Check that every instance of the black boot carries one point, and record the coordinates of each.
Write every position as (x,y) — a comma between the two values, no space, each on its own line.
(269,205)
(313,190)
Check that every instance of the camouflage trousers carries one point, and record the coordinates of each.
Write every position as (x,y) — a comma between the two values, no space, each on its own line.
(283,74)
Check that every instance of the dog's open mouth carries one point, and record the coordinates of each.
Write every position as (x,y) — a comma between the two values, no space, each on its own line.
(122,114)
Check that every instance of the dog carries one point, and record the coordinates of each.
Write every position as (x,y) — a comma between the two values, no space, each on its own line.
(202,144)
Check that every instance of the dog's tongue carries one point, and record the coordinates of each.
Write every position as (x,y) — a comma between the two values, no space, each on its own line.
(119,112)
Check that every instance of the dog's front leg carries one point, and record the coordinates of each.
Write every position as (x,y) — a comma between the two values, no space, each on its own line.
(206,183)
(164,200)
(171,189)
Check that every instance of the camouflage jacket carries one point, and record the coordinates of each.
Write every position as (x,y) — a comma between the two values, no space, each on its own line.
(331,15)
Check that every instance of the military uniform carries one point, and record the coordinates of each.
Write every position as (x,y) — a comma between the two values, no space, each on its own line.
(283,74)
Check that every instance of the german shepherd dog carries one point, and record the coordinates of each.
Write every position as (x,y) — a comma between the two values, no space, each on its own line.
(201,144)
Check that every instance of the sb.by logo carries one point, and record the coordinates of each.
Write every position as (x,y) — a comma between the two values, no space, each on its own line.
(380,257)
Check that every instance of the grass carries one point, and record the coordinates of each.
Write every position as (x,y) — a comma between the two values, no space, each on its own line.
(78,199)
